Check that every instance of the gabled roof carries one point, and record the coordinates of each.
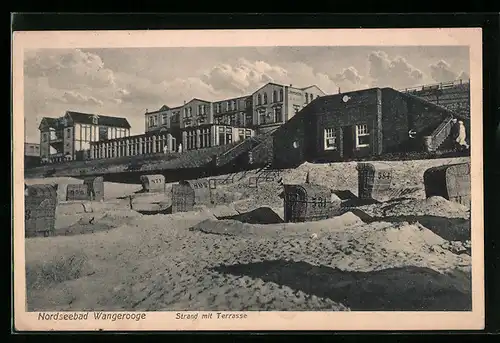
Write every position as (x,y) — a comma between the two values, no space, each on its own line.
(51,122)
(162,109)
(197,99)
(86,118)
(267,84)
(311,86)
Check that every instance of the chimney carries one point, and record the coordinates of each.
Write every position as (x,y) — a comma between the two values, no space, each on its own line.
(291,85)
(339,90)
(184,102)
(307,177)
(146,110)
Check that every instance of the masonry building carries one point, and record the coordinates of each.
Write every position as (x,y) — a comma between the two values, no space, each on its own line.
(200,124)
(70,136)
(360,124)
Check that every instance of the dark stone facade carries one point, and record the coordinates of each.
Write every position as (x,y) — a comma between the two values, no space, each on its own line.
(388,115)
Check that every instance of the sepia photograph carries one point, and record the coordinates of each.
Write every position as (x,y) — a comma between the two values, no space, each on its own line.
(246,180)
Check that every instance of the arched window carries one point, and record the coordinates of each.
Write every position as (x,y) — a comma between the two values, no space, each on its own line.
(275,96)
(259,99)
(265,98)
(281,94)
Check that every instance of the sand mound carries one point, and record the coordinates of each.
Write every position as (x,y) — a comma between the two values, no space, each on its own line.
(404,238)
(231,227)
(433,206)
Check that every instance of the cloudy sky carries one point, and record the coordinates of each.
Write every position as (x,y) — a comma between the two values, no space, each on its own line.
(126,82)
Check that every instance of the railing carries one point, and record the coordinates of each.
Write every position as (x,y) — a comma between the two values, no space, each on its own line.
(236,150)
(436,86)
(438,136)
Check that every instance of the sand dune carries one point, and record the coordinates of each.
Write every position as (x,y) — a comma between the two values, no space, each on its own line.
(404,255)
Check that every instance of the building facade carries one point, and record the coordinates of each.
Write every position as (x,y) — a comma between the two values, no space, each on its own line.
(358,124)
(145,144)
(275,104)
(199,124)
(31,154)
(70,137)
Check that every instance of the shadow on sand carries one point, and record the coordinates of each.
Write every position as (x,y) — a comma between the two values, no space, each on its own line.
(167,210)
(393,289)
(261,215)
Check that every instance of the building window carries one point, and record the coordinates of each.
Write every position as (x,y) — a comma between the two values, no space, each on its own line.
(222,137)
(151,121)
(281,94)
(262,117)
(248,119)
(164,119)
(241,134)
(275,96)
(277,115)
(233,119)
(234,105)
(307,98)
(68,133)
(229,135)
(219,108)
(259,99)
(265,98)
(362,136)
(191,140)
(205,138)
(330,139)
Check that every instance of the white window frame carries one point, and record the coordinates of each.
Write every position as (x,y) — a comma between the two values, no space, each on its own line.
(361,131)
(329,133)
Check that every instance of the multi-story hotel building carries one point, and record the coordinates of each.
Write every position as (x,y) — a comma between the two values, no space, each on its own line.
(70,137)
(275,104)
(199,124)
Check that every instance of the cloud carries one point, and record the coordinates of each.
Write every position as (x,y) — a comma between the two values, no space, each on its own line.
(350,74)
(442,71)
(242,77)
(144,93)
(68,69)
(76,98)
(350,79)
(396,72)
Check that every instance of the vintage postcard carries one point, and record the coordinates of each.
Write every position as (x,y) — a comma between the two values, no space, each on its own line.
(248,180)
